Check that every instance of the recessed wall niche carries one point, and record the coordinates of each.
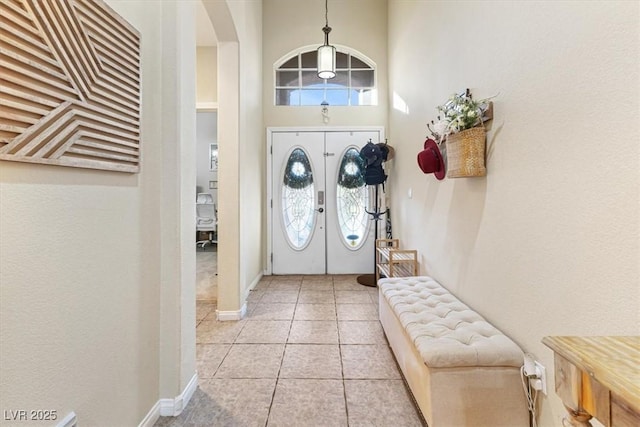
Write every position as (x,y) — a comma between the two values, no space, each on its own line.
(69,85)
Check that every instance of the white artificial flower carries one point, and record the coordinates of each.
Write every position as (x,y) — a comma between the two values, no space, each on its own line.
(440,127)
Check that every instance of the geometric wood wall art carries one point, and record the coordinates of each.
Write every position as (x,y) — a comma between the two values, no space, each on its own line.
(69,85)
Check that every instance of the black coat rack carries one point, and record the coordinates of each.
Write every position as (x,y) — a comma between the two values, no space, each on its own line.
(374,155)
(370,279)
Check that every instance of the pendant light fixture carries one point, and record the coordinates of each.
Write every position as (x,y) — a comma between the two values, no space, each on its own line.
(326,52)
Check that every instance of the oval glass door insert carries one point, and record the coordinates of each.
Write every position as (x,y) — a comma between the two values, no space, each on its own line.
(352,199)
(298,199)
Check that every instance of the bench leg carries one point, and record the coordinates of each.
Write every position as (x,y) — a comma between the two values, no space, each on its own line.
(576,418)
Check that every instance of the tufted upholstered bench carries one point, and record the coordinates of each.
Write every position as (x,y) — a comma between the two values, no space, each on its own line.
(461,370)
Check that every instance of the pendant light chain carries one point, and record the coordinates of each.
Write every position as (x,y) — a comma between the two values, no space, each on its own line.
(327,28)
(326,52)
(326,13)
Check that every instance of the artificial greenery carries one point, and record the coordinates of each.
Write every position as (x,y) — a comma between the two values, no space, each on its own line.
(351,172)
(297,172)
(460,112)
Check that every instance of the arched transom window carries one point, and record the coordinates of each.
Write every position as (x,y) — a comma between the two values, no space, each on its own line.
(297,82)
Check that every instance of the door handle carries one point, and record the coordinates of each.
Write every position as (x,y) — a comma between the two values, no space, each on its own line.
(320,210)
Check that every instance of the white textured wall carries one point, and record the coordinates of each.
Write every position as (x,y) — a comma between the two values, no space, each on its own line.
(97,269)
(547,243)
(180,190)
(79,275)
(207,75)
(238,28)
(358,24)
(79,305)
(247,16)
(228,171)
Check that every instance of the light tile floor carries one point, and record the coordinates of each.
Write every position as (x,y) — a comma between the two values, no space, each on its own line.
(311,352)
(207,273)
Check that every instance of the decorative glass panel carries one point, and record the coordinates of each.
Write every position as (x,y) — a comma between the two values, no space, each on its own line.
(337,96)
(341,78)
(362,78)
(311,79)
(352,199)
(298,199)
(312,96)
(364,97)
(342,60)
(288,97)
(287,78)
(292,63)
(356,63)
(310,59)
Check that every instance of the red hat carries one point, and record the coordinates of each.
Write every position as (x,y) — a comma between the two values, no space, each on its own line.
(430,159)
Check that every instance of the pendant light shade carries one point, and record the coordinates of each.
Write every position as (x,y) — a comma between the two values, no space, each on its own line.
(326,52)
(326,62)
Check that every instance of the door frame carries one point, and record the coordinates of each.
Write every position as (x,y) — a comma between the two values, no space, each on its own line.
(269,177)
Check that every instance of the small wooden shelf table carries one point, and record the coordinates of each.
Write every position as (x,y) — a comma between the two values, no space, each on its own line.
(391,261)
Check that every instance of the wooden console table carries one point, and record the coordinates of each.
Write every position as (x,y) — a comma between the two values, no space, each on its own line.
(598,377)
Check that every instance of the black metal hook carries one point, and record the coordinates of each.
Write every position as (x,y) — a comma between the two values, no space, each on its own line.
(376,215)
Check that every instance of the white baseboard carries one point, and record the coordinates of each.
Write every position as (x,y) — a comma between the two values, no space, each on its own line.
(171,407)
(69,421)
(254,283)
(174,407)
(225,316)
(230,315)
(152,416)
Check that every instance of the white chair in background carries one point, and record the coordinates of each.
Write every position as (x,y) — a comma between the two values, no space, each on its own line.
(206,217)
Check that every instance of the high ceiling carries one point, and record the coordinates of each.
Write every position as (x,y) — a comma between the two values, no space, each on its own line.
(205,36)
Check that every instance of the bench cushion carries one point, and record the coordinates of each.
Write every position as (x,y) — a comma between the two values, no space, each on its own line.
(446,332)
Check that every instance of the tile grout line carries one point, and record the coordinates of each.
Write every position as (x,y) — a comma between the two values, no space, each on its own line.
(344,385)
(340,342)
(284,349)
(221,362)
(228,350)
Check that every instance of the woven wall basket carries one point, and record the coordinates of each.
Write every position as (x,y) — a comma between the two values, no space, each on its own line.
(465,153)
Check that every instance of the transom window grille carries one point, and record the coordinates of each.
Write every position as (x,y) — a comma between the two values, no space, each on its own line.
(297,82)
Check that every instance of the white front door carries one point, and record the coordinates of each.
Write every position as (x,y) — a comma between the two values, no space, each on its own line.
(319,223)
(298,217)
